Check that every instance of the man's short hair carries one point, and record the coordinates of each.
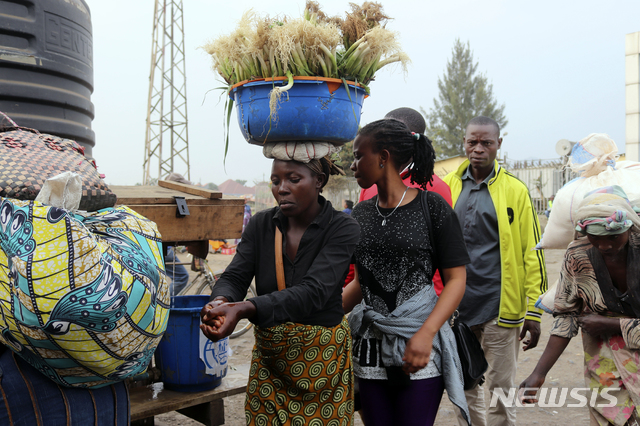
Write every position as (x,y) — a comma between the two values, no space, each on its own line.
(412,118)
(481,120)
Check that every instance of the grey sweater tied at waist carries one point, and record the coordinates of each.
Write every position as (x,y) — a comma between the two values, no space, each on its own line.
(401,325)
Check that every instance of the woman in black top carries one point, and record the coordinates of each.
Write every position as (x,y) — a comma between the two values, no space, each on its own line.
(301,366)
(404,351)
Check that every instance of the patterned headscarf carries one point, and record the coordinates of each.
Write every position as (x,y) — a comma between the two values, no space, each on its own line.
(607,211)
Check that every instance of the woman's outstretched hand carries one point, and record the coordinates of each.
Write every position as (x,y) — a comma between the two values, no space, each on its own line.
(529,388)
(417,353)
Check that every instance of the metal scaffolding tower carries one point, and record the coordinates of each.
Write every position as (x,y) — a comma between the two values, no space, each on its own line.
(167,108)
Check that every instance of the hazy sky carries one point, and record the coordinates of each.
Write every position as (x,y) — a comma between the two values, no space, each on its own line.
(558,66)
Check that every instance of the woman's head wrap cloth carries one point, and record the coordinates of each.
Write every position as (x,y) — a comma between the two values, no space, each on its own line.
(299,151)
(315,155)
(607,211)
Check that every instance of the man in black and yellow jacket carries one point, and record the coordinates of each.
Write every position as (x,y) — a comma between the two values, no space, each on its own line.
(505,276)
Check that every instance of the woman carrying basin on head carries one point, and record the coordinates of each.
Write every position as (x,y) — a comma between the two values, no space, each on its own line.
(301,366)
(599,291)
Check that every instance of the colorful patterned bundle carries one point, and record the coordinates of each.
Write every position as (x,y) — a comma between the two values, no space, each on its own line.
(83,298)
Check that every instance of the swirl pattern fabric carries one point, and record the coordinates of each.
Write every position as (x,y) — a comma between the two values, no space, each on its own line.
(301,375)
(83,297)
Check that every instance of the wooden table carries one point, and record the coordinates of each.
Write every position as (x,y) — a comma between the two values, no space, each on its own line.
(211,215)
(206,407)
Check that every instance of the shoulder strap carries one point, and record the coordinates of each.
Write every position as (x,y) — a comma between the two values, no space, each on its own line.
(279,262)
(633,276)
(603,278)
(427,217)
(427,213)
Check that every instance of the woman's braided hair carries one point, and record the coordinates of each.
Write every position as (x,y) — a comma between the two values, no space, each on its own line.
(404,146)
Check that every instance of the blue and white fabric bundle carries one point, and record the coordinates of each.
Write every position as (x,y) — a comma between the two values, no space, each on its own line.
(83,296)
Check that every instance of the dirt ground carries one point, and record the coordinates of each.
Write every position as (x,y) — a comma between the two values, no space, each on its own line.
(568,372)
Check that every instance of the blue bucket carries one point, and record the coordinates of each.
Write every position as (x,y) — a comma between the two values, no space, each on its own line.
(183,348)
(314,109)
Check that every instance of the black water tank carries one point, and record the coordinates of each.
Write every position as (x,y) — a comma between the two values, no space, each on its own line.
(46,67)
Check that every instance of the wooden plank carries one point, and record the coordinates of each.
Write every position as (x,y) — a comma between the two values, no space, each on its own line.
(205,222)
(152,400)
(152,194)
(190,189)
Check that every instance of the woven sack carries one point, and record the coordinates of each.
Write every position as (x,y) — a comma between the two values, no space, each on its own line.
(28,158)
(83,297)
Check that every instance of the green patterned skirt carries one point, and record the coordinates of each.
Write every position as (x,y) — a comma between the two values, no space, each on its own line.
(301,375)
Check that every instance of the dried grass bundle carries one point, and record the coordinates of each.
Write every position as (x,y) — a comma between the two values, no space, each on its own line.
(360,20)
(303,47)
(376,48)
(353,48)
(233,55)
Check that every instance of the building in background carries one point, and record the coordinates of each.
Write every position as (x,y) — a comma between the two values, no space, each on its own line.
(447,165)
(543,178)
(235,189)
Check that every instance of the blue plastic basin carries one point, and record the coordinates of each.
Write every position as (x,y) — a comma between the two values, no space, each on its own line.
(178,354)
(312,110)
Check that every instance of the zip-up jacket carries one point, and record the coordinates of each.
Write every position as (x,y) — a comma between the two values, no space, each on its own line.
(523,272)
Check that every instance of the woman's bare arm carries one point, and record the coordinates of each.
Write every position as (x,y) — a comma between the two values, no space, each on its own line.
(352,293)
(555,348)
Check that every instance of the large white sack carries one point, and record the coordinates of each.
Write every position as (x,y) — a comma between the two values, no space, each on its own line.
(594,158)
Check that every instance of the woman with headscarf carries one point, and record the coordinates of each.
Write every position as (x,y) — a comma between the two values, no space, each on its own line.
(599,291)
(301,369)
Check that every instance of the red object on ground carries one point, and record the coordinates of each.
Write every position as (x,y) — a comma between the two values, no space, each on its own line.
(436,185)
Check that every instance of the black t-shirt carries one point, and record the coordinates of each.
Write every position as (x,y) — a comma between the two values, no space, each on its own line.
(397,260)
